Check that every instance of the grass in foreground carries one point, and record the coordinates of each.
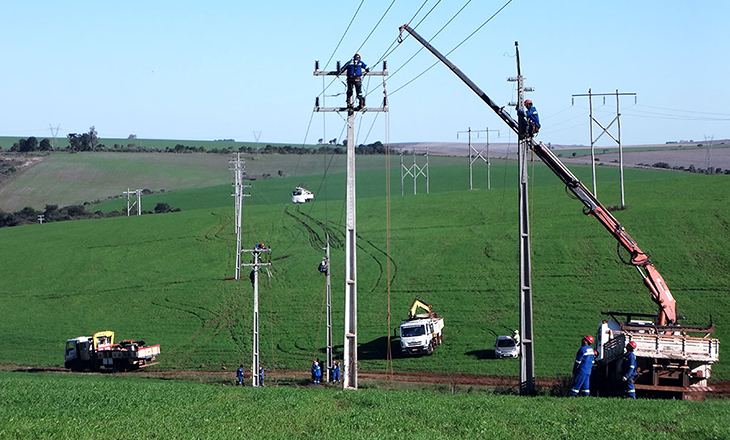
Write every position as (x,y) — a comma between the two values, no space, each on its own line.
(90,407)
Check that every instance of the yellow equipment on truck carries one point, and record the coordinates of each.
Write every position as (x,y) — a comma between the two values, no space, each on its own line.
(99,350)
(420,333)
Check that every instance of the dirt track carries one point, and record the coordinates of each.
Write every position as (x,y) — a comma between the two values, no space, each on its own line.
(301,378)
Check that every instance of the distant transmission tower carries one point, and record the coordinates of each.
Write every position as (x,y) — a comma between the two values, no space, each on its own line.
(257,135)
(604,130)
(475,155)
(414,171)
(708,159)
(138,202)
(54,133)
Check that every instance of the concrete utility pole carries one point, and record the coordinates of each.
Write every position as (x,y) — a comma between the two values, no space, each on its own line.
(527,351)
(350,345)
(256,265)
(41,217)
(239,174)
(138,203)
(604,130)
(475,154)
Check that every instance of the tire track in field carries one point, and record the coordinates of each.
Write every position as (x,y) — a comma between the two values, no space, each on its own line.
(212,233)
(315,240)
(318,243)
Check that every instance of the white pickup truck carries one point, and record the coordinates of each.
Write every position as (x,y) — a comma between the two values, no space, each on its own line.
(421,333)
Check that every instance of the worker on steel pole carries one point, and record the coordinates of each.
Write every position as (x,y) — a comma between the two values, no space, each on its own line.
(354,69)
(531,119)
(583,367)
(629,370)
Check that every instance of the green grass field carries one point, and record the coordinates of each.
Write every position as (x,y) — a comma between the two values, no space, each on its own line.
(41,406)
(162,278)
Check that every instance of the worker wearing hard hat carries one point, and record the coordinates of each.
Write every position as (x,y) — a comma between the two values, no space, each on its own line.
(354,69)
(629,370)
(532,120)
(583,367)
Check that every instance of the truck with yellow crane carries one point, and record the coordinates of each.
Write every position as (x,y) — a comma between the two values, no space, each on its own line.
(99,351)
(421,333)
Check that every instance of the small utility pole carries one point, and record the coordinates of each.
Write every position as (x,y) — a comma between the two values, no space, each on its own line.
(324,267)
(350,345)
(475,154)
(41,217)
(256,265)
(604,130)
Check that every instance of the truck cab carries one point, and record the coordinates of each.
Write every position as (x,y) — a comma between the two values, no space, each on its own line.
(415,336)
(79,352)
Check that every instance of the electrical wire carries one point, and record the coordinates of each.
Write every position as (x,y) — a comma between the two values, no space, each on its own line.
(376,26)
(456,47)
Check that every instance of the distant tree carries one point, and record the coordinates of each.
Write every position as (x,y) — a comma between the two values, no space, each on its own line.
(79,142)
(132,136)
(45,145)
(93,138)
(162,208)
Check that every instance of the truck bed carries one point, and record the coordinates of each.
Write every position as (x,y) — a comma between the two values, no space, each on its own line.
(682,347)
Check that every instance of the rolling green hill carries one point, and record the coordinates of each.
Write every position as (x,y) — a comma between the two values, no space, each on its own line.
(163,277)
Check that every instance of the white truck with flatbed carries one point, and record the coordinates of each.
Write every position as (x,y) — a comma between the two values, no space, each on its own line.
(421,333)
(99,350)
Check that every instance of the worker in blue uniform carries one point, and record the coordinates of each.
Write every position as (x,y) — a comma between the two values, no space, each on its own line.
(629,370)
(354,69)
(583,367)
(239,374)
(530,118)
(262,376)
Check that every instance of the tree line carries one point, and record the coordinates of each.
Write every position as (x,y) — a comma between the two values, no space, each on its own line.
(52,213)
(79,142)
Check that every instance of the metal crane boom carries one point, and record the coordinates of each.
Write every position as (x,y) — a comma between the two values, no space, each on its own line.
(652,279)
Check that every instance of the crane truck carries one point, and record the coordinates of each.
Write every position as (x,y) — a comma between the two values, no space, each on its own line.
(420,333)
(99,350)
(671,358)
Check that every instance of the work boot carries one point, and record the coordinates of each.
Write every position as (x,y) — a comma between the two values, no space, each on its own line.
(362,102)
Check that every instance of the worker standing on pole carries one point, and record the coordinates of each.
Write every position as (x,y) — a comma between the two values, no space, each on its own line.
(530,118)
(629,370)
(583,367)
(354,69)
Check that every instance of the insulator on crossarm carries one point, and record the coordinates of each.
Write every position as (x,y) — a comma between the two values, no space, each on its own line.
(385,65)
(316,65)
(338,66)
(316,101)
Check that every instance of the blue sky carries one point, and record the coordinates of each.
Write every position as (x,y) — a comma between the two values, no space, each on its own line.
(227,69)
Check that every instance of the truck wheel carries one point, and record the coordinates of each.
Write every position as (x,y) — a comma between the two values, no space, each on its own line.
(429,350)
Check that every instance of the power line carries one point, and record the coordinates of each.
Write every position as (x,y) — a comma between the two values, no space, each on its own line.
(343,35)
(376,26)
(452,50)
(388,51)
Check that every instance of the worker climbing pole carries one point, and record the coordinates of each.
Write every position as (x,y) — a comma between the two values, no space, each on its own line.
(350,338)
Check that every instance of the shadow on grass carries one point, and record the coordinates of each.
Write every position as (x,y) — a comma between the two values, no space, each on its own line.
(377,349)
(482,354)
